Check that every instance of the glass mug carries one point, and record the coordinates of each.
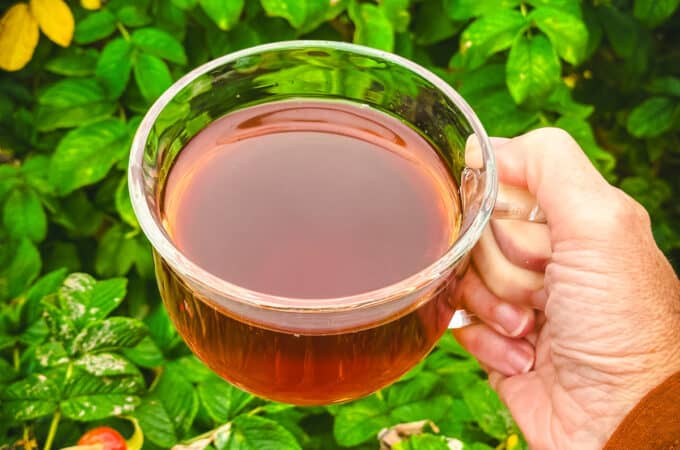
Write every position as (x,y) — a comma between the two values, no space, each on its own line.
(327,350)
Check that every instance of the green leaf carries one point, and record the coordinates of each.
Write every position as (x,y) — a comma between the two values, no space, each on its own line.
(652,117)
(23,215)
(94,27)
(488,411)
(304,15)
(159,43)
(372,27)
(533,69)
(423,442)
(87,397)
(46,285)
(255,433)
(124,205)
(110,335)
(567,33)
(412,390)
(33,397)
(466,9)
(134,14)
(397,12)
(155,423)
(72,102)
(162,330)
(75,62)
(665,86)
(651,192)
(225,13)
(627,37)
(145,354)
(152,76)
(654,12)
(561,101)
(7,372)
(221,400)
(432,25)
(500,115)
(194,370)
(360,421)
(23,268)
(51,354)
(77,214)
(490,34)
(581,130)
(106,364)
(178,397)
(116,253)
(85,155)
(572,7)
(185,4)
(433,408)
(35,170)
(114,66)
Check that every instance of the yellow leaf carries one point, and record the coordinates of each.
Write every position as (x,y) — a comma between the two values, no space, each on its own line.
(18,37)
(91,4)
(55,20)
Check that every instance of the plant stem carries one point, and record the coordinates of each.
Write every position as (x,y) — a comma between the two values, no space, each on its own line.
(53,430)
(123,31)
(16,358)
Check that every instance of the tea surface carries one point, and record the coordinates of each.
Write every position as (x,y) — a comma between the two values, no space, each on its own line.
(310,199)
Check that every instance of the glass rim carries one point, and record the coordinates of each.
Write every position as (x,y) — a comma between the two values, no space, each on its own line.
(212,283)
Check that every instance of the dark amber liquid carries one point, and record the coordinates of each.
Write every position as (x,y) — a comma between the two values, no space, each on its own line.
(308,200)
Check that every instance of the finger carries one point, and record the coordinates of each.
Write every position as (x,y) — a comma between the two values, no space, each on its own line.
(524,244)
(500,353)
(495,379)
(473,153)
(506,280)
(570,191)
(506,318)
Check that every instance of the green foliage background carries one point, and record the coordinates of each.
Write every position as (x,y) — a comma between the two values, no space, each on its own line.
(75,352)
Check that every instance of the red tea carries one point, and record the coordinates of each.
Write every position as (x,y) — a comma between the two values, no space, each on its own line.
(309,200)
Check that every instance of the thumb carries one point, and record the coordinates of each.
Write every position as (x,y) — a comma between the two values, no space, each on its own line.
(574,197)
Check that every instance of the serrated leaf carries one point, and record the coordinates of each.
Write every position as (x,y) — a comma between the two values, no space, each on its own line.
(653,117)
(55,20)
(252,432)
(23,215)
(86,154)
(533,69)
(489,34)
(145,354)
(568,34)
(109,335)
(360,421)
(467,9)
(72,102)
(654,12)
(94,27)
(106,364)
(155,423)
(51,354)
(86,408)
(152,76)
(412,390)
(33,397)
(372,27)
(23,268)
(178,397)
(73,63)
(488,411)
(225,13)
(46,285)
(159,43)
(18,37)
(114,66)
(221,400)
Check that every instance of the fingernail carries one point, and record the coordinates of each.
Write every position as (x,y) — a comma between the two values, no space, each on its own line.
(521,359)
(512,319)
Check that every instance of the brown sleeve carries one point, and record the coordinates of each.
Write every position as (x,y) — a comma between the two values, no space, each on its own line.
(654,423)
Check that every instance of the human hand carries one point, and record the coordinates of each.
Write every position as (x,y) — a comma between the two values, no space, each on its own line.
(581,318)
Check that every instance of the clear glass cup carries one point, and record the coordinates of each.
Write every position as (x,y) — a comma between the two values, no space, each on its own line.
(326,350)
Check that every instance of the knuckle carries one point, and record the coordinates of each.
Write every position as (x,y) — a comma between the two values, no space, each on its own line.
(627,212)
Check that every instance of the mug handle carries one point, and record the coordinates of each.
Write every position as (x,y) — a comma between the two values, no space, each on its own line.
(512,203)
